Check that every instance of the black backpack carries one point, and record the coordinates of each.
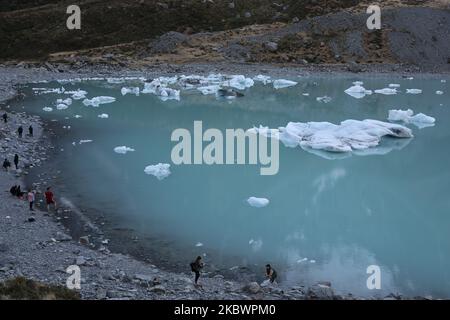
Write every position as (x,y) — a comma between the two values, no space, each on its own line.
(193,267)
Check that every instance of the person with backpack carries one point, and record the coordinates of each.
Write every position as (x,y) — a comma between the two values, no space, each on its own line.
(6,164)
(20,131)
(5,117)
(30,131)
(196,267)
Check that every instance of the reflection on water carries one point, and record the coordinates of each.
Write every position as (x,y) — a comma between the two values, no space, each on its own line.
(330,215)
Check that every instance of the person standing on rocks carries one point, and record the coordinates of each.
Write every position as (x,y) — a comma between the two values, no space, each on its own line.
(271,274)
(20,131)
(5,117)
(49,198)
(31,197)
(6,164)
(196,267)
(30,131)
(16,161)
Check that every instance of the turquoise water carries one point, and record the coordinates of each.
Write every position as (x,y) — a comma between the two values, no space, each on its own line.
(391,210)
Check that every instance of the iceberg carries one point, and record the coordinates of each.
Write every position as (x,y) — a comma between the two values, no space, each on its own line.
(261,78)
(78,94)
(160,89)
(258,202)
(97,101)
(394,85)
(413,91)
(61,106)
(123,149)
(130,90)
(439,92)
(387,91)
(324,99)
(358,91)
(421,120)
(84,141)
(240,82)
(160,170)
(282,83)
(47,109)
(103,116)
(213,89)
(67,101)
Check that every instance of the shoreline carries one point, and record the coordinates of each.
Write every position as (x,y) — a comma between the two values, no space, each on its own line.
(48,248)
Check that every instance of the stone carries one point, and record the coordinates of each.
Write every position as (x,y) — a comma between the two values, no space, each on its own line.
(320,292)
(158,289)
(271,46)
(31,219)
(84,240)
(80,261)
(252,287)
(61,236)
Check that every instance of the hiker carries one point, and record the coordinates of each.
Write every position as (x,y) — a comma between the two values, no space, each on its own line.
(271,274)
(5,117)
(31,198)
(19,193)
(16,161)
(196,266)
(13,190)
(30,131)
(6,164)
(20,131)
(49,198)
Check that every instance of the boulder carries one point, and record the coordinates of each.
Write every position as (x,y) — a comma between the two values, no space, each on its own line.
(252,287)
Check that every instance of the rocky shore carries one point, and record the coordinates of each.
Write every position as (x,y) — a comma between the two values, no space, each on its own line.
(39,246)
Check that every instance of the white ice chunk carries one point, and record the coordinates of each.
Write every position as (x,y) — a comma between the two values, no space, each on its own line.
(422,118)
(47,109)
(387,91)
(258,202)
(61,106)
(358,83)
(358,91)
(400,115)
(261,78)
(103,116)
(123,149)
(324,99)
(439,92)
(282,83)
(67,101)
(240,82)
(209,89)
(394,85)
(85,141)
(199,244)
(78,94)
(160,170)
(414,91)
(130,90)
(95,102)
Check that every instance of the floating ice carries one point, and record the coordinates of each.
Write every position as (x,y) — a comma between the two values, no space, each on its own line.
(199,244)
(78,94)
(282,83)
(394,85)
(77,116)
(47,109)
(305,94)
(103,116)
(85,141)
(61,106)
(439,92)
(123,149)
(258,202)
(387,91)
(160,170)
(256,244)
(95,102)
(261,78)
(67,101)
(358,91)
(130,90)
(407,116)
(209,89)
(444,81)
(160,89)
(358,83)
(414,91)
(324,99)
(302,260)
(240,82)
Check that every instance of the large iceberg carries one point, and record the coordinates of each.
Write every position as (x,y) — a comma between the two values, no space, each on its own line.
(95,102)
(160,170)
(407,116)
(348,136)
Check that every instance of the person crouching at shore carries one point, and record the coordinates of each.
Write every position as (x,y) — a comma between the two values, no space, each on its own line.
(6,164)
(271,274)
(50,199)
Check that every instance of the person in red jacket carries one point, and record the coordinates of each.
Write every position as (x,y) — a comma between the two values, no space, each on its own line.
(49,198)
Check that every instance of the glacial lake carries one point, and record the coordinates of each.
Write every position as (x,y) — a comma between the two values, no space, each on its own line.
(328,218)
